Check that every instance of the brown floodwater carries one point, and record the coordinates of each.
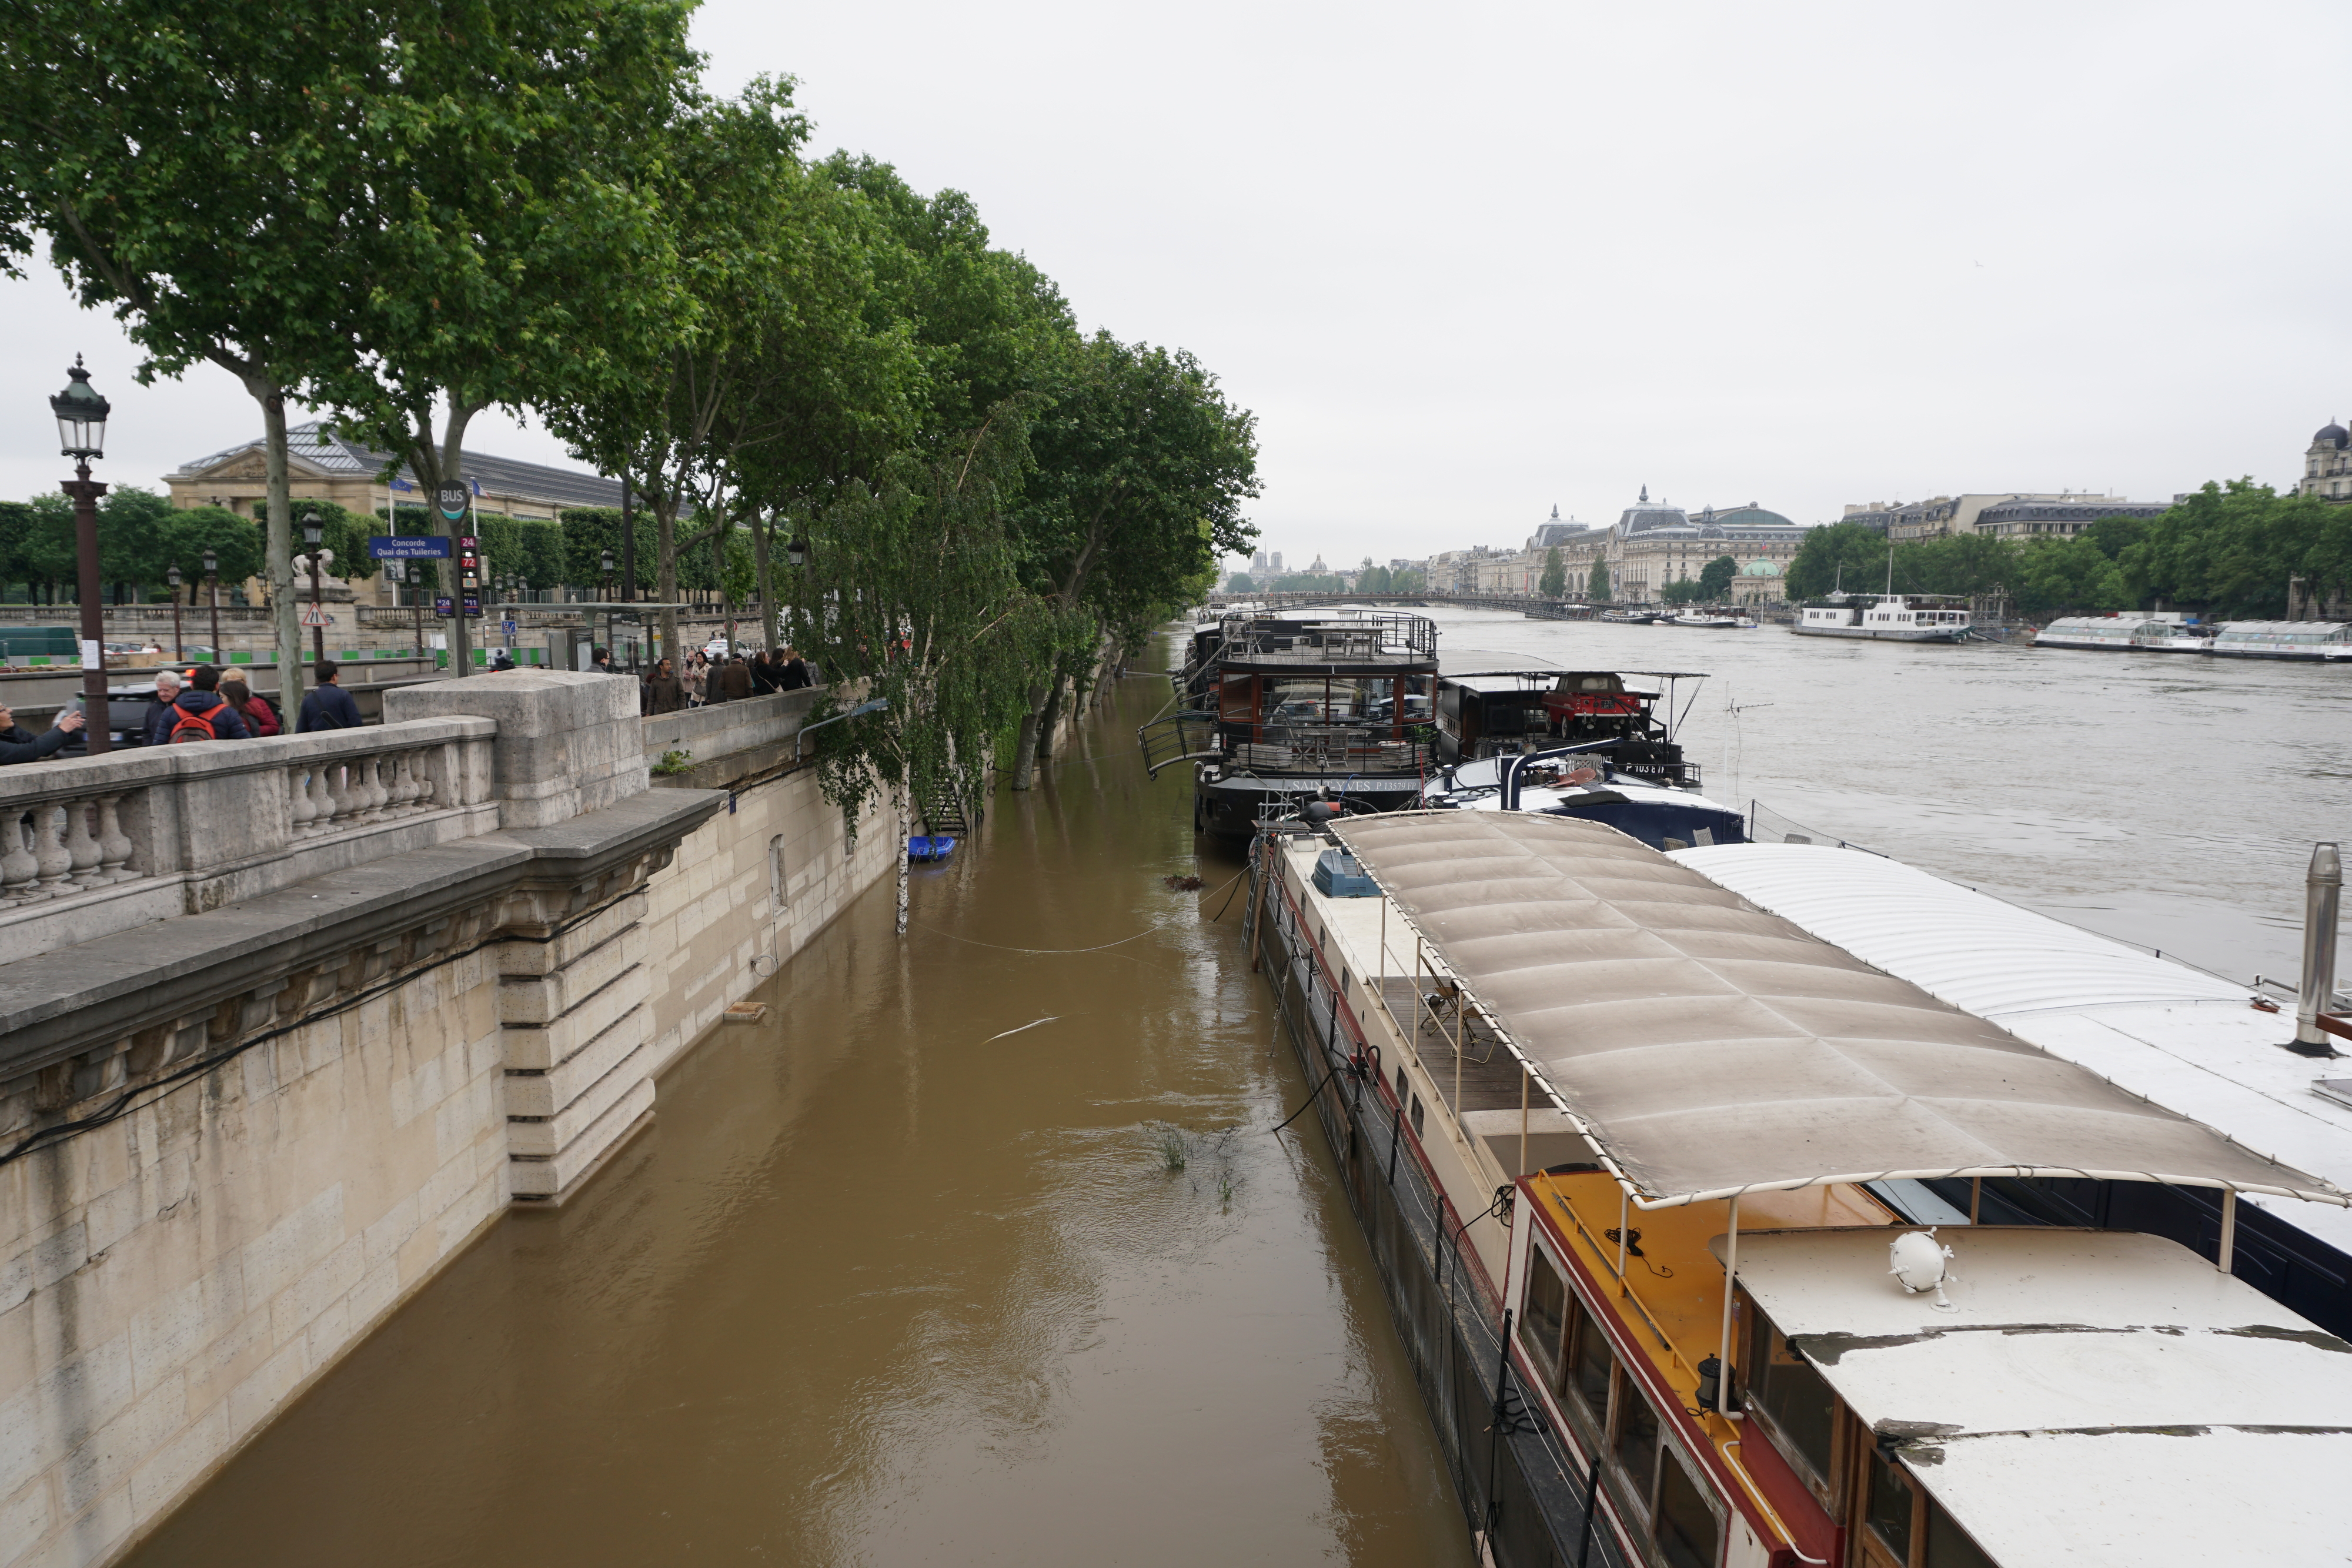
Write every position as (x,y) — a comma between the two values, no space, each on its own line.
(906,1276)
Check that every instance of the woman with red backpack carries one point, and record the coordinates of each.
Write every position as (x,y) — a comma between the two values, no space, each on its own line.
(203,715)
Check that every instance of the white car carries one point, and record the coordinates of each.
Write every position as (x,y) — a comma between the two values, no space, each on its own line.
(714,649)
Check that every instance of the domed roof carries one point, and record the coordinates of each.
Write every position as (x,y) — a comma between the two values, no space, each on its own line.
(1760,568)
(2332,434)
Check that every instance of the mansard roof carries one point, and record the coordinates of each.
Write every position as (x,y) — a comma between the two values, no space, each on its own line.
(318,450)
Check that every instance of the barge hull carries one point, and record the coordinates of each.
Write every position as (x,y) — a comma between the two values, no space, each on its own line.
(1524,1497)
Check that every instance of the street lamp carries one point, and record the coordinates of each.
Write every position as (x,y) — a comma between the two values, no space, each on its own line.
(211,587)
(81,434)
(178,653)
(314,534)
(796,553)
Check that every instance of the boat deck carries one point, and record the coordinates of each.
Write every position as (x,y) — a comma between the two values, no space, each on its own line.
(1490,1075)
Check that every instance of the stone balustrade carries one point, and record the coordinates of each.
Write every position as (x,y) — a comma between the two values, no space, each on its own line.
(96,845)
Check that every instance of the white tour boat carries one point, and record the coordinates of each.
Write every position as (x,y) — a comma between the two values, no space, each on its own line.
(2140,632)
(1887,617)
(2313,640)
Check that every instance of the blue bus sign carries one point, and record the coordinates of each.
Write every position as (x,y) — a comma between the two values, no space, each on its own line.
(408,547)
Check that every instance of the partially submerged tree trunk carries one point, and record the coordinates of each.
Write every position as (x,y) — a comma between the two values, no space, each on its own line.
(1051,718)
(1025,748)
(906,831)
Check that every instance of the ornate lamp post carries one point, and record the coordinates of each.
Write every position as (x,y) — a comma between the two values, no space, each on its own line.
(211,587)
(178,652)
(81,433)
(314,534)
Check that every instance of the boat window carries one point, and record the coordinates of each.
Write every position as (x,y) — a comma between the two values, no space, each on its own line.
(1588,1362)
(1399,1084)
(1416,1115)
(1636,1447)
(1888,1507)
(1236,703)
(1797,1409)
(1685,1526)
(1544,1315)
(1948,1545)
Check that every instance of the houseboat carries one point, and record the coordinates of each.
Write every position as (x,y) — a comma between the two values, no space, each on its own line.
(1285,706)
(1574,781)
(2140,632)
(2315,642)
(1492,704)
(1712,620)
(1887,617)
(1675,1207)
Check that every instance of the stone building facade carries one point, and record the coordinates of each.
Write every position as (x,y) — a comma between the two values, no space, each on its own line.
(1998,512)
(323,466)
(1652,544)
(2327,465)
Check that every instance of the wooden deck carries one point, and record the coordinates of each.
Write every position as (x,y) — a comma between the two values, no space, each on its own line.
(1490,1075)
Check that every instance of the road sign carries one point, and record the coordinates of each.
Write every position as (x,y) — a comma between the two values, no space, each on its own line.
(314,616)
(408,547)
(444,605)
(473,602)
(509,627)
(449,500)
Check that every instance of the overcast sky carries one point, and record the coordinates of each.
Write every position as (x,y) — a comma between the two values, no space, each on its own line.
(1468,262)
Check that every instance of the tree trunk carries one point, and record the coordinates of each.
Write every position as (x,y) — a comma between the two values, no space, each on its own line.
(1051,716)
(1025,749)
(665,567)
(278,554)
(767,576)
(906,831)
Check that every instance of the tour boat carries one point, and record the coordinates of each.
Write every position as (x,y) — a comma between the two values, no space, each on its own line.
(1887,617)
(1630,617)
(2328,641)
(1712,620)
(2140,632)
(1283,707)
(1646,1171)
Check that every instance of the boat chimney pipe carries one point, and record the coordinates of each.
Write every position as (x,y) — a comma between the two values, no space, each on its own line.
(2323,894)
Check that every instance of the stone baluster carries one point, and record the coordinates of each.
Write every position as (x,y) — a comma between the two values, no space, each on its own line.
(56,861)
(81,848)
(372,780)
(114,845)
(403,783)
(17,866)
(343,787)
(422,768)
(300,811)
(323,800)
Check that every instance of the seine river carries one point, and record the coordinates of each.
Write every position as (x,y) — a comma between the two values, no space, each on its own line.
(2170,799)
(984,1249)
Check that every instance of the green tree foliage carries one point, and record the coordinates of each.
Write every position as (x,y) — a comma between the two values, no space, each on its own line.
(1848,556)
(2230,549)
(1407,579)
(1715,577)
(912,594)
(238,546)
(1596,586)
(1241,583)
(1553,583)
(1683,591)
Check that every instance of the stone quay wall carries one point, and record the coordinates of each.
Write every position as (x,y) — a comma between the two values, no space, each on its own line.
(285,1024)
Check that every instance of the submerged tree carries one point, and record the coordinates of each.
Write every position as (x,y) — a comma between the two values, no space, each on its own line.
(910,598)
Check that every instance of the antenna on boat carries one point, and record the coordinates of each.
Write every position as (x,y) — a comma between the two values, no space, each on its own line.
(1890,568)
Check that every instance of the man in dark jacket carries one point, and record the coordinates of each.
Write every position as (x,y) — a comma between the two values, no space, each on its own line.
(732,683)
(203,701)
(764,673)
(794,675)
(18,744)
(328,706)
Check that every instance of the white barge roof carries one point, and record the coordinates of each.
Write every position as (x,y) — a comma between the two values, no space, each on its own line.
(1707,1046)
(2187,1040)
(2093,1398)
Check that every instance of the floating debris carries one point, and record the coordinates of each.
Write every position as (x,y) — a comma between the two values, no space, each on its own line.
(1183,884)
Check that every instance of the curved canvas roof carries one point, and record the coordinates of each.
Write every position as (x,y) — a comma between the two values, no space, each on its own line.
(1706,1047)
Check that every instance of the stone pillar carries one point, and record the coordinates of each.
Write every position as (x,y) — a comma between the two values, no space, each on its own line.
(575,1016)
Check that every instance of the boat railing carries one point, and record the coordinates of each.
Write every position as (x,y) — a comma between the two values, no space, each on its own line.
(1338,640)
(1185,736)
(1298,749)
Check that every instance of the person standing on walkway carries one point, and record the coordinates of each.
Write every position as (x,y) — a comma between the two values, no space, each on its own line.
(204,714)
(795,673)
(155,729)
(734,682)
(18,744)
(328,706)
(259,717)
(697,678)
(664,691)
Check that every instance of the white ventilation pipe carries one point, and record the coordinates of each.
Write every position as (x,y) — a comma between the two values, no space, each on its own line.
(2323,892)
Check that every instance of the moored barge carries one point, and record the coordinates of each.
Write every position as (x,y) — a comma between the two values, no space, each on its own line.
(1647,1169)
